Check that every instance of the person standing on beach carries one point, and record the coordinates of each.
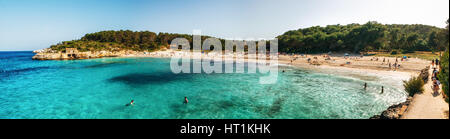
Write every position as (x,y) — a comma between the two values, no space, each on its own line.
(382,89)
(395,66)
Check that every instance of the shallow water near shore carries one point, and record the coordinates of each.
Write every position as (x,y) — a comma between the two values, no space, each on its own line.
(100,88)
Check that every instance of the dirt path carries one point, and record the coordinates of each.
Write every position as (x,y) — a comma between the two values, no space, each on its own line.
(427,105)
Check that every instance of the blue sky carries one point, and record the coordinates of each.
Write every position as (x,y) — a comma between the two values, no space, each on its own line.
(37,24)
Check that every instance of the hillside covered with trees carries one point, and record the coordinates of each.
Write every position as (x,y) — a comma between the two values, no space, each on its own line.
(371,36)
(122,40)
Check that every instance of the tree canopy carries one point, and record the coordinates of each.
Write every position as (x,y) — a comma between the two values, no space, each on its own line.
(122,40)
(371,36)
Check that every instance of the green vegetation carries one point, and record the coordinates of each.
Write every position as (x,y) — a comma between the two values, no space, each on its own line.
(122,40)
(419,54)
(117,40)
(371,36)
(396,40)
(444,72)
(414,86)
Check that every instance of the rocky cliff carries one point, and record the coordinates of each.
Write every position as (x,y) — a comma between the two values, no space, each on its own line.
(48,54)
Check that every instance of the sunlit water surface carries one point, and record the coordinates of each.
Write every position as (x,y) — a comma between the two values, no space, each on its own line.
(100,88)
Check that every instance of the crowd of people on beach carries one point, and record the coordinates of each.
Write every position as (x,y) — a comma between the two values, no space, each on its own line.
(314,60)
(392,66)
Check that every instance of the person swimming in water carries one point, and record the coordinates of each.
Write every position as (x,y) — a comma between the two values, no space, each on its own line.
(186,100)
(131,103)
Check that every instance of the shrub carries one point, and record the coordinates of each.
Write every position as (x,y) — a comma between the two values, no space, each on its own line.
(444,73)
(413,86)
(407,51)
(394,52)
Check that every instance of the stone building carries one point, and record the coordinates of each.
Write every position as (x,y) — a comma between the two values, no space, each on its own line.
(71,52)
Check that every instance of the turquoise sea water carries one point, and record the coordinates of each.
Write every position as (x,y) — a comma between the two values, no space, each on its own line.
(100,88)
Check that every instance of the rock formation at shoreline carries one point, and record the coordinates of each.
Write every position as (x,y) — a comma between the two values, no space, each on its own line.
(72,54)
(394,111)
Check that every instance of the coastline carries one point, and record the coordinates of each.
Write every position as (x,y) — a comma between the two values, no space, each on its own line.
(334,64)
(366,66)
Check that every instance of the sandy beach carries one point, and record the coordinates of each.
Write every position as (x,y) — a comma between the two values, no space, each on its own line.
(369,64)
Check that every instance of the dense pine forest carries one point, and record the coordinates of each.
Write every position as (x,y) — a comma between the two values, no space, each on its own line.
(371,36)
(123,40)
